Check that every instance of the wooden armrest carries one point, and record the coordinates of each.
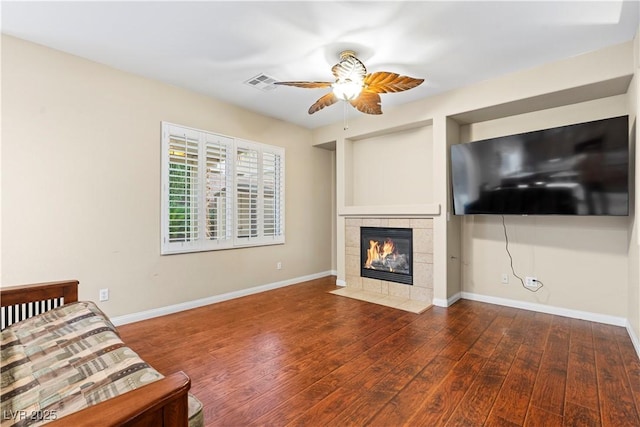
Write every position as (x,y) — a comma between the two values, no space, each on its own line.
(38,292)
(161,403)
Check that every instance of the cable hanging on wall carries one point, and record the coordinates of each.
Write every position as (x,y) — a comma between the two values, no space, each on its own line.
(506,245)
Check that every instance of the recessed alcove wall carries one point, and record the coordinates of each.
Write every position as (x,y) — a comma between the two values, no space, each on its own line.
(581,260)
(388,173)
(392,169)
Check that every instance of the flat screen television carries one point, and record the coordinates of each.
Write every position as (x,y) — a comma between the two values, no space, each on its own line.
(580,169)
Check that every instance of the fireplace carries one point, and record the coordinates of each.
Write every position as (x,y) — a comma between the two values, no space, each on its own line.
(387,254)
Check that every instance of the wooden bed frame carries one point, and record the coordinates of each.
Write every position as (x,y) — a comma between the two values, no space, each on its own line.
(161,403)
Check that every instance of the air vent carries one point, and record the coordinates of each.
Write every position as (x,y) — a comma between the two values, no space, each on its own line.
(262,82)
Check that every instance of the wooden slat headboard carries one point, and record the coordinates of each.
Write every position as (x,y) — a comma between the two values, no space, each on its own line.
(21,302)
(11,295)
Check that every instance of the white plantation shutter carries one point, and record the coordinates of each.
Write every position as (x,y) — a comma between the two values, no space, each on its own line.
(182,187)
(247,174)
(273,194)
(219,184)
(219,192)
(259,193)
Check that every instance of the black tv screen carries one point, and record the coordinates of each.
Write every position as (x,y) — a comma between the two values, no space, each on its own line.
(580,169)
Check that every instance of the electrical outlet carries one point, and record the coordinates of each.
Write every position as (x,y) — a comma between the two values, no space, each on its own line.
(531,282)
(103,295)
(505,279)
(278,265)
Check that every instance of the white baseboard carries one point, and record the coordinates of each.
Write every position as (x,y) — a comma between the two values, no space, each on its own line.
(340,282)
(439,302)
(162,311)
(634,338)
(559,311)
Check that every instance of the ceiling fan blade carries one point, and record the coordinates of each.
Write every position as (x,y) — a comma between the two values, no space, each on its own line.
(349,68)
(367,102)
(385,82)
(308,85)
(325,101)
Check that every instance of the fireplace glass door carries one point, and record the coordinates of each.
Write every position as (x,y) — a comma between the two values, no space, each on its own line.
(387,254)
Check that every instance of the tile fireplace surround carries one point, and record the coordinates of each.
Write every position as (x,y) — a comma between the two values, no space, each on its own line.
(413,298)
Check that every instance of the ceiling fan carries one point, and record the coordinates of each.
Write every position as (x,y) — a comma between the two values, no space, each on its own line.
(354,85)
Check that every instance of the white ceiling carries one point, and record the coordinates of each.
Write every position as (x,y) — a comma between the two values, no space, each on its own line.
(213,47)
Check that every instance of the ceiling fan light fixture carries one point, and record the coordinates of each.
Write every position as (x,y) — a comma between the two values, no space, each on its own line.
(347,90)
(353,84)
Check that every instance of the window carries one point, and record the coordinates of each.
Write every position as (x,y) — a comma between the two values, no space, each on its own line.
(219,192)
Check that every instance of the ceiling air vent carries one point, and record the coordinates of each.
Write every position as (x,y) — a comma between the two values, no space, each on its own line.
(262,82)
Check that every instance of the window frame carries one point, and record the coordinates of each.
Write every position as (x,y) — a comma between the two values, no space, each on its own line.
(266,186)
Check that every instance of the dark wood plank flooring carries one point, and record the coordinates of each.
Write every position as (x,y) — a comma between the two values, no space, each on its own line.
(299,356)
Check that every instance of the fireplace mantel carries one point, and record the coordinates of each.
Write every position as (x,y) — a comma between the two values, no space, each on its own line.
(391,211)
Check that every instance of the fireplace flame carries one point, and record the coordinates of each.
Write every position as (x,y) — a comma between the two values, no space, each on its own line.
(376,252)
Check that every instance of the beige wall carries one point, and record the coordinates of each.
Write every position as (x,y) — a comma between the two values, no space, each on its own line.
(81,185)
(383,174)
(334,244)
(453,252)
(633,301)
(583,262)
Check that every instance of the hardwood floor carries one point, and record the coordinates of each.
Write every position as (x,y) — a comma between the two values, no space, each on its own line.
(299,356)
